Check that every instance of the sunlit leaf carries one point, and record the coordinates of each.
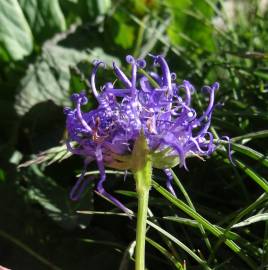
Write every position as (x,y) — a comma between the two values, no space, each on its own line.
(252,220)
(49,77)
(189,24)
(50,156)
(15,34)
(125,35)
(44,17)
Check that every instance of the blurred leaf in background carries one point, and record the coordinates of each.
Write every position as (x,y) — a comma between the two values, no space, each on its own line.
(45,18)
(16,39)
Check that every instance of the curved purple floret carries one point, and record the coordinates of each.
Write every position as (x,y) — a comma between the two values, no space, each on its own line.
(164,113)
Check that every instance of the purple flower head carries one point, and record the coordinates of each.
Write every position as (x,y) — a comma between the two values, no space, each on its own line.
(148,102)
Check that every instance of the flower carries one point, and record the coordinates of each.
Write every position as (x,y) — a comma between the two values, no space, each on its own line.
(149,103)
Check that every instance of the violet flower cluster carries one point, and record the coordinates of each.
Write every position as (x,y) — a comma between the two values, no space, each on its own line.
(148,102)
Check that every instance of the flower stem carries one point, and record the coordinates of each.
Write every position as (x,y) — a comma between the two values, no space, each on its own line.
(142,172)
(143,197)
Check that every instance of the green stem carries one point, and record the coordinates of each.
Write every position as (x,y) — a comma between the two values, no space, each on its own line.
(141,166)
(143,197)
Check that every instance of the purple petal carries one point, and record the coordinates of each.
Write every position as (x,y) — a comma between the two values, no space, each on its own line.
(121,76)
(100,187)
(166,73)
(80,185)
(93,75)
(169,181)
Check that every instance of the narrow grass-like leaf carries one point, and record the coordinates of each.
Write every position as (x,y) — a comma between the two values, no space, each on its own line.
(189,211)
(253,206)
(102,213)
(262,182)
(167,254)
(127,256)
(103,243)
(237,217)
(180,244)
(252,220)
(189,201)
(194,223)
(184,221)
(251,135)
(107,172)
(127,193)
(245,150)
(207,225)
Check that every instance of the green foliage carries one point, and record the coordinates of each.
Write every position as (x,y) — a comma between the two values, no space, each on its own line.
(125,36)
(45,18)
(218,221)
(2,175)
(16,40)
(196,29)
(48,78)
(55,200)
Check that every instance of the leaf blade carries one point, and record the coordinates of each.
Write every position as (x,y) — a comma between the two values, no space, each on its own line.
(15,34)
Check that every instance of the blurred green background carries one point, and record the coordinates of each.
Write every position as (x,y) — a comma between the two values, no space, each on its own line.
(46,53)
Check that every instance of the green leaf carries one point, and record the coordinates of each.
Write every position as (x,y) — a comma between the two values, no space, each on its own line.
(15,34)
(128,255)
(192,213)
(245,150)
(125,34)
(191,24)
(180,244)
(90,9)
(164,252)
(49,156)
(194,223)
(252,220)
(178,19)
(103,6)
(251,153)
(102,243)
(261,75)
(49,77)
(44,17)
(262,182)
(189,202)
(2,175)
(201,220)
(55,200)
(251,136)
